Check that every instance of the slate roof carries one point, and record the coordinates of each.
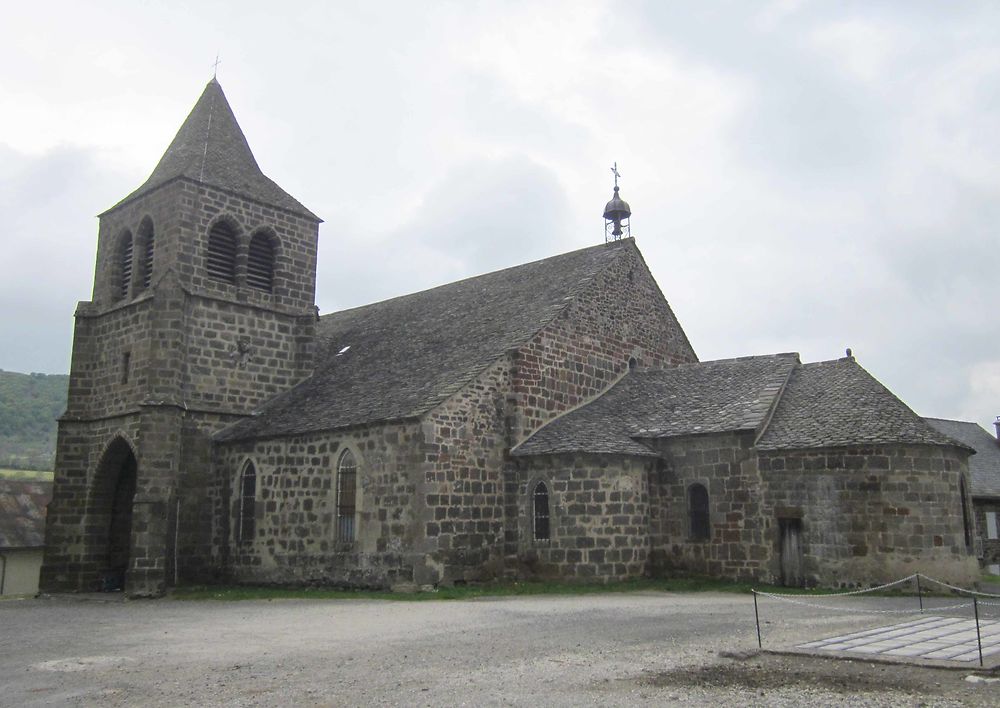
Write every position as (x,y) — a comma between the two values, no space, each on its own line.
(401,357)
(984,466)
(22,513)
(706,397)
(836,404)
(210,148)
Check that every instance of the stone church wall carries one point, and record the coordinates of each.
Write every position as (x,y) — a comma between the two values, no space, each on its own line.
(296,540)
(737,547)
(465,445)
(620,315)
(598,517)
(872,514)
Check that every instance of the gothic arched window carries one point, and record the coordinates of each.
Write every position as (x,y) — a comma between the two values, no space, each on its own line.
(540,512)
(221,259)
(347,489)
(966,524)
(248,504)
(700,527)
(260,262)
(147,245)
(125,249)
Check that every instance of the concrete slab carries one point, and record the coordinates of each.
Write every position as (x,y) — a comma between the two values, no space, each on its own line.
(930,639)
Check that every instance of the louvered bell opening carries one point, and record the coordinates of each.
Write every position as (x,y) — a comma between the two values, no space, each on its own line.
(260,263)
(147,261)
(126,281)
(222,254)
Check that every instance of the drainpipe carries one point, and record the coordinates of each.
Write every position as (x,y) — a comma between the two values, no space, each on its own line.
(3,574)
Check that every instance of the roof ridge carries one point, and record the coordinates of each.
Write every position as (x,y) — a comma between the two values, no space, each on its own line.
(469,278)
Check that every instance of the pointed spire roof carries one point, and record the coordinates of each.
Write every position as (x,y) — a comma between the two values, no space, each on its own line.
(210,148)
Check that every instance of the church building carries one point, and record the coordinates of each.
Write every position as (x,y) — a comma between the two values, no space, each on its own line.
(549,420)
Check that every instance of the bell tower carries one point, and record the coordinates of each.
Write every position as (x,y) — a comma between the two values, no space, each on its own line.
(202,309)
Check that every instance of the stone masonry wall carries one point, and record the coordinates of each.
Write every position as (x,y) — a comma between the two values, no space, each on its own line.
(598,516)
(871,514)
(620,315)
(465,445)
(737,547)
(296,537)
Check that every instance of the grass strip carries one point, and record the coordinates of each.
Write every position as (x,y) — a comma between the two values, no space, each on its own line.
(507,589)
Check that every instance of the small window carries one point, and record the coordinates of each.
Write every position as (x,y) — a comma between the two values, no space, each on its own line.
(148,246)
(540,512)
(248,503)
(125,265)
(991,525)
(126,366)
(260,263)
(347,485)
(221,262)
(700,527)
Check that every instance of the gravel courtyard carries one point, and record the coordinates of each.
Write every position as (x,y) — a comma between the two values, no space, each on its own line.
(612,649)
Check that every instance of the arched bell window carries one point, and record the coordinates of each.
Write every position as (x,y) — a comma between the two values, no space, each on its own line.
(540,512)
(146,243)
(248,504)
(698,515)
(347,491)
(220,260)
(260,262)
(126,248)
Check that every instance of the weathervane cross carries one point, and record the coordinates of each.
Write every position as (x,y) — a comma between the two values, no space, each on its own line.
(615,172)
(215,67)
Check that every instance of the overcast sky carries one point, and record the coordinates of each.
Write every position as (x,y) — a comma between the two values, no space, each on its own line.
(804,176)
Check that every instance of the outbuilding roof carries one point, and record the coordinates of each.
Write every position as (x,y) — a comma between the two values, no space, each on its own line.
(690,399)
(22,513)
(401,357)
(836,404)
(984,466)
(210,148)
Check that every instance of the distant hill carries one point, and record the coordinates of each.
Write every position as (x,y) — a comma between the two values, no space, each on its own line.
(29,406)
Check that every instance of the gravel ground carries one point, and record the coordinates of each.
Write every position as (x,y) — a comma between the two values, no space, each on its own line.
(614,649)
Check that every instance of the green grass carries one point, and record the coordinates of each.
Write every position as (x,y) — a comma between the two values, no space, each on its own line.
(34,475)
(469,592)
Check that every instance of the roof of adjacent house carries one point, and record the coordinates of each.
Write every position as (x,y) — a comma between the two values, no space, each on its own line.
(210,148)
(837,403)
(401,357)
(790,405)
(706,397)
(984,466)
(22,513)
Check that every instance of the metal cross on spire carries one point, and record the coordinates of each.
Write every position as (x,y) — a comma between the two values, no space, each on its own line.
(215,67)
(615,172)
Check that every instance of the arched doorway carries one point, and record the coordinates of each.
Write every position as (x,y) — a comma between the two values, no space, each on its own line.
(111,514)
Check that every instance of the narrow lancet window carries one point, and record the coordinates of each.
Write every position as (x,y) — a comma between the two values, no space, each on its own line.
(260,263)
(221,260)
(698,512)
(540,512)
(248,504)
(347,485)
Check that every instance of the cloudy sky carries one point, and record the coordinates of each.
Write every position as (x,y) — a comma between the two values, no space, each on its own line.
(804,176)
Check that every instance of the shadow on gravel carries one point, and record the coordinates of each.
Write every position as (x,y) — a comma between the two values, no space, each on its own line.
(768,672)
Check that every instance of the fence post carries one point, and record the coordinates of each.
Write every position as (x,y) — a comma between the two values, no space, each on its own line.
(920,596)
(979,640)
(756,616)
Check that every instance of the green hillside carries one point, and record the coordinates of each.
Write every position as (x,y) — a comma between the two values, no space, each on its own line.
(29,406)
